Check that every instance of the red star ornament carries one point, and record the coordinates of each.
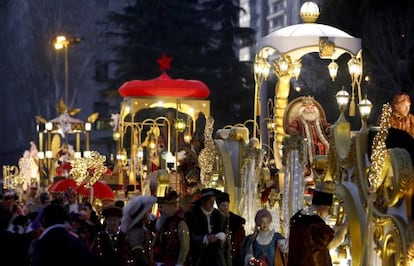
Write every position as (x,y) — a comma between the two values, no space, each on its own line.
(164,61)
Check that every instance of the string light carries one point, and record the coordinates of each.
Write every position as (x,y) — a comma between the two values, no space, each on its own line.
(88,170)
(379,150)
(208,155)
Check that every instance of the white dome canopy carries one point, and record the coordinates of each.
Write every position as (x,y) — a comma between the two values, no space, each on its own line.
(301,39)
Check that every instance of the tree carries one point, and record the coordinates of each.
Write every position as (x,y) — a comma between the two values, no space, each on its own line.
(203,37)
(32,72)
(386,30)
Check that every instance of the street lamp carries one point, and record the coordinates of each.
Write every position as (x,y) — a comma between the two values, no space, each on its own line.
(333,69)
(61,42)
(180,125)
(365,107)
(342,99)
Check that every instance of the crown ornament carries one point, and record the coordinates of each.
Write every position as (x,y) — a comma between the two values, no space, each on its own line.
(308,100)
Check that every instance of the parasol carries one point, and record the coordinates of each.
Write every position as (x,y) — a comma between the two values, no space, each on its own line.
(100,189)
(62,185)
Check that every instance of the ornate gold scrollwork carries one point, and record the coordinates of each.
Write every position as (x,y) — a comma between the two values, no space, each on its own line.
(402,178)
(390,244)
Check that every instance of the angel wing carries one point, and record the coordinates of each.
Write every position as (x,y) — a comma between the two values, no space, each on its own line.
(74,111)
(40,120)
(93,117)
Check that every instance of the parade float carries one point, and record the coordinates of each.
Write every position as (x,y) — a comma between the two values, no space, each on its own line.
(267,166)
(371,184)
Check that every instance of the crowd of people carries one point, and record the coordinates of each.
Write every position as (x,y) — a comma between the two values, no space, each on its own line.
(65,231)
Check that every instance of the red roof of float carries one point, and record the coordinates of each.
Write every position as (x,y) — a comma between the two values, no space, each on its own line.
(165,86)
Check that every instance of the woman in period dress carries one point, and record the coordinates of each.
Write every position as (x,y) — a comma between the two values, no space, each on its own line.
(265,246)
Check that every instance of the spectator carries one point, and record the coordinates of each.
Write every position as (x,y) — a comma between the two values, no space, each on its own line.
(57,245)
(71,204)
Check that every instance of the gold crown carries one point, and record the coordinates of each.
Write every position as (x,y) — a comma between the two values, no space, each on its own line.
(308,100)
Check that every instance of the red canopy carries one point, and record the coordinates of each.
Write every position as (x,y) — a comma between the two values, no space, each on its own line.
(62,185)
(100,190)
(165,86)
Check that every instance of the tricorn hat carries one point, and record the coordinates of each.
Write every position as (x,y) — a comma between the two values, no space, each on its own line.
(205,193)
(323,194)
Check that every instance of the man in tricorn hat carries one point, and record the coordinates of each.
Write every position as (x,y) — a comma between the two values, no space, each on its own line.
(207,230)
(303,227)
(172,243)
(107,245)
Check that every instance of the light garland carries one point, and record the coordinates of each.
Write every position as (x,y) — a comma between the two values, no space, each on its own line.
(88,170)
(379,149)
(294,142)
(208,155)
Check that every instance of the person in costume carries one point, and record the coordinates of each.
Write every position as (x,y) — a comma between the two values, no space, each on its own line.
(235,228)
(308,241)
(107,245)
(138,238)
(321,204)
(207,230)
(265,246)
(315,233)
(173,238)
(401,117)
(311,126)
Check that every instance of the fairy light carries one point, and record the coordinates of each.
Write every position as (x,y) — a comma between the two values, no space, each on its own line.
(88,170)
(207,156)
(379,148)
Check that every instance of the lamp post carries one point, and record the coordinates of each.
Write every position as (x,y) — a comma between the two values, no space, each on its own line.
(365,107)
(61,42)
(333,70)
(342,99)
(48,153)
(87,152)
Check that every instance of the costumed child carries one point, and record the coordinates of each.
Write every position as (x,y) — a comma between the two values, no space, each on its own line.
(265,246)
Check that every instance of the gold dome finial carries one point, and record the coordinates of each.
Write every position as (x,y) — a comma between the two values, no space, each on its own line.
(309,12)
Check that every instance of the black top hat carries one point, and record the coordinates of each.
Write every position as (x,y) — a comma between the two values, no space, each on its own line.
(112,211)
(222,197)
(323,194)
